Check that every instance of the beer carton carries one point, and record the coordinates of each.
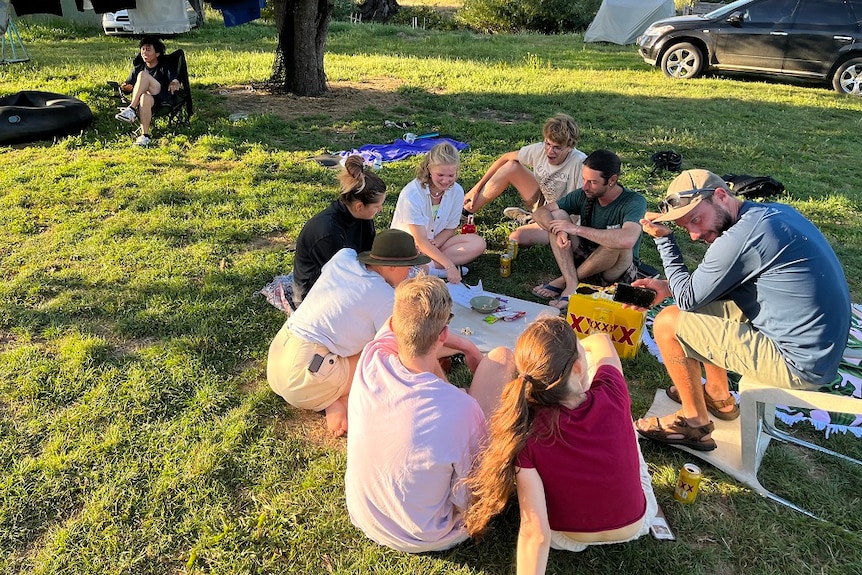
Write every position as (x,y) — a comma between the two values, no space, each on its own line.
(592,310)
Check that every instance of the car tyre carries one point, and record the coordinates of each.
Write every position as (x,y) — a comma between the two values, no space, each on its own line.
(848,77)
(682,61)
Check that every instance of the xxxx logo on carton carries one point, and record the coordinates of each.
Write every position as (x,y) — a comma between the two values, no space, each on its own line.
(622,334)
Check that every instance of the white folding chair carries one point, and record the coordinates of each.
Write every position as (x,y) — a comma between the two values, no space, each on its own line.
(757,426)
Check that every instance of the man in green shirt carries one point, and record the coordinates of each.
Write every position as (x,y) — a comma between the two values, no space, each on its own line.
(602,248)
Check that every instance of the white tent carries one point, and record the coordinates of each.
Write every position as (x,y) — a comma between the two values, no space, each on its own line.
(622,21)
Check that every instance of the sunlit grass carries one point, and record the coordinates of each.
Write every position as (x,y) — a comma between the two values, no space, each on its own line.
(137,433)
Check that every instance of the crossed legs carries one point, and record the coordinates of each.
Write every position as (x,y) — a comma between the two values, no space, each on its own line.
(608,263)
(143,99)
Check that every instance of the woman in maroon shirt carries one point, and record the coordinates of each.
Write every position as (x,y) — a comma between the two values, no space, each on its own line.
(563,439)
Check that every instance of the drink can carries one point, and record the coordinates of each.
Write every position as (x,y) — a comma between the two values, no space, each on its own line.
(688,484)
(513,249)
(505,265)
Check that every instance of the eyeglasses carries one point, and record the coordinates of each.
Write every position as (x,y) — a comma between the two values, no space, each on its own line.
(682,199)
(554,147)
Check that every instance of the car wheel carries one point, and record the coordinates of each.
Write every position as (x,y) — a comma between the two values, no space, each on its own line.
(848,77)
(682,60)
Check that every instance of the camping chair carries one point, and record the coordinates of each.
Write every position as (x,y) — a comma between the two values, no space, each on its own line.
(743,442)
(179,108)
(757,403)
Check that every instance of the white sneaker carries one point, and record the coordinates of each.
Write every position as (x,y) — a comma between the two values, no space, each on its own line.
(523,217)
(126,115)
(143,140)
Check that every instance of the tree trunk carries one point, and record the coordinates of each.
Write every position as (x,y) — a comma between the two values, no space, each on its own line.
(378,10)
(302,27)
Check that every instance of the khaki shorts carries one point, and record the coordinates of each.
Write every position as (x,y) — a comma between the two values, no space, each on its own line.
(288,375)
(720,334)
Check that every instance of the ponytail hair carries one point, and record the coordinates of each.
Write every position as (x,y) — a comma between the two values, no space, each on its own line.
(359,183)
(544,357)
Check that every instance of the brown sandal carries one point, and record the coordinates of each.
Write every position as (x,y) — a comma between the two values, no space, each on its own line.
(692,437)
(713,406)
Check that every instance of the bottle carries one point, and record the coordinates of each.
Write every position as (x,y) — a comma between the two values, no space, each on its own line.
(469,227)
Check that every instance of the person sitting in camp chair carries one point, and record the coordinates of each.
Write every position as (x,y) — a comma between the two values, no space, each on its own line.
(151,83)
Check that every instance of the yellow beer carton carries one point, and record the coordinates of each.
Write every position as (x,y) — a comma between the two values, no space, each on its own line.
(592,310)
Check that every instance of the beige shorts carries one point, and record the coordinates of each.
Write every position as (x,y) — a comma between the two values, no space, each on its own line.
(561,541)
(720,334)
(288,375)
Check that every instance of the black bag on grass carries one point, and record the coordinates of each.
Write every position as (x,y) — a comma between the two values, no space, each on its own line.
(751,187)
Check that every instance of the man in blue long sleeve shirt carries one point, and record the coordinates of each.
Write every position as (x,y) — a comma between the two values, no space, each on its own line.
(769,300)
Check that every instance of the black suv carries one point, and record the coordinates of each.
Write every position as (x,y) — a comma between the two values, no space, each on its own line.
(813,39)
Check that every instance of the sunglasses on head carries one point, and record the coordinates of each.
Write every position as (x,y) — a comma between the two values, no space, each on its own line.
(682,199)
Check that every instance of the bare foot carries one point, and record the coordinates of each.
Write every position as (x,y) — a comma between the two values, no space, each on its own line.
(336,418)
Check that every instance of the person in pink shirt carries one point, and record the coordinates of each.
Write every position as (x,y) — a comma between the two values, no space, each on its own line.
(413,436)
(563,439)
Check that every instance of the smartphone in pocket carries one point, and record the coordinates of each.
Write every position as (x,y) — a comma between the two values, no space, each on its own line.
(315,363)
(637,296)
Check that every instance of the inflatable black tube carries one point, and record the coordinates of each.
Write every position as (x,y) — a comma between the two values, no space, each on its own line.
(29,116)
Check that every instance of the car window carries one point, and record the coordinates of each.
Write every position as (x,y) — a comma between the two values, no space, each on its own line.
(825,15)
(769,12)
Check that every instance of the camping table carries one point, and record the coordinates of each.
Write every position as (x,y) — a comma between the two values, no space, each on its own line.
(500,333)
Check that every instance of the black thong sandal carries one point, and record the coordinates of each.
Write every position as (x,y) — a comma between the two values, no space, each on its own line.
(713,406)
(691,437)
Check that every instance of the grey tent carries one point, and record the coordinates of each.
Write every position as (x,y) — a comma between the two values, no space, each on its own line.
(622,21)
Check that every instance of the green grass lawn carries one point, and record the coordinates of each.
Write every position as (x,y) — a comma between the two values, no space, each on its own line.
(137,432)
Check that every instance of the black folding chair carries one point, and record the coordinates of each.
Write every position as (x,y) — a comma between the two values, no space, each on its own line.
(179,108)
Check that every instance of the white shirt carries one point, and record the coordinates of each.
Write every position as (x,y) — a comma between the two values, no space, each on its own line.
(345,307)
(414,207)
(412,441)
(554,181)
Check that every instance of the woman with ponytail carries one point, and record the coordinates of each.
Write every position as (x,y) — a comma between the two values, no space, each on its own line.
(563,439)
(348,222)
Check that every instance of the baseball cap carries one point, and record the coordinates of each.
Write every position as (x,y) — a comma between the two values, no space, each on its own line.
(686,191)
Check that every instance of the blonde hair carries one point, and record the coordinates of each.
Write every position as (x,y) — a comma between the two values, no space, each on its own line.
(443,154)
(421,311)
(562,129)
(544,356)
(358,183)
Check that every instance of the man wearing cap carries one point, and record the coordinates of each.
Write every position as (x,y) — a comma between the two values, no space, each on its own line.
(312,359)
(413,435)
(603,247)
(769,301)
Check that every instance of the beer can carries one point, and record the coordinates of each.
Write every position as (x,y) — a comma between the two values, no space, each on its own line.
(505,265)
(513,249)
(688,483)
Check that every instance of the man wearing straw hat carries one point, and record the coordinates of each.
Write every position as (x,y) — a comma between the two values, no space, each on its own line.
(312,359)
(769,300)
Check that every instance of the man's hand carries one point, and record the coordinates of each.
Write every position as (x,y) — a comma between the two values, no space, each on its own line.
(563,240)
(565,226)
(656,230)
(659,286)
(468,197)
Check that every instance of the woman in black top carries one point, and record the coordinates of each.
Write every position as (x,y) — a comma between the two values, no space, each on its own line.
(347,223)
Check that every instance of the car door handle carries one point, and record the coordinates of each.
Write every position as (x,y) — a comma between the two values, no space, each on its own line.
(778,33)
(843,38)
